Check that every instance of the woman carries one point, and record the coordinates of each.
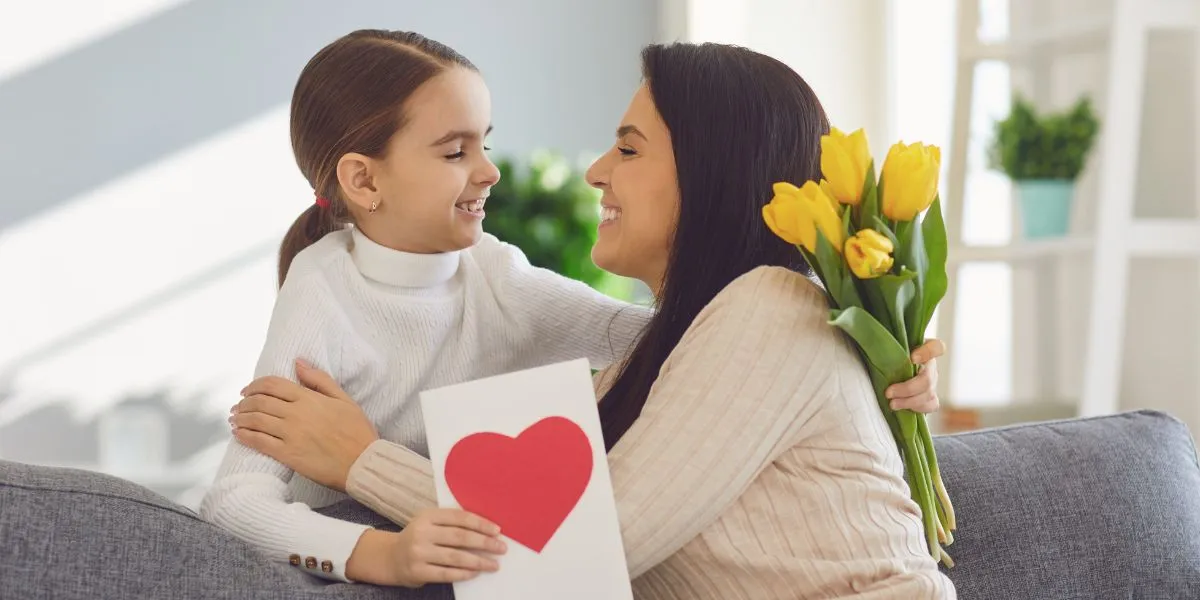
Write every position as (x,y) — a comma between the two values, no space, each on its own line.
(72,534)
(748,456)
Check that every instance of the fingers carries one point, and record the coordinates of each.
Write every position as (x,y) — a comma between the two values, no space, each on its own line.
(922,403)
(263,404)
(455,537)
(916,386)
(269,445)
(276,387)
(454,558)
(437,574)
(260,423)
(320,381)
(453,517)
(928,351)
(918,394)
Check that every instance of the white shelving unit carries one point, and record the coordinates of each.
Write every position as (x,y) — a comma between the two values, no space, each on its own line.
(1118,236)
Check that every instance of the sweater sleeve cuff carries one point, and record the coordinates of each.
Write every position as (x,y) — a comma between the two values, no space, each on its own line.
(324,548)
(393,481)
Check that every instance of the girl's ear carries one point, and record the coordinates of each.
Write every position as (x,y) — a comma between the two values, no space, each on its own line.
(357,181)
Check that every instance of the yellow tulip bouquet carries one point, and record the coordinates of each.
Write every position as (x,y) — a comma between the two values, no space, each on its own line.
(884,272)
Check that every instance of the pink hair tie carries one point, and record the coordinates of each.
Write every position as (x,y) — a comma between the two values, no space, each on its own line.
(322,202)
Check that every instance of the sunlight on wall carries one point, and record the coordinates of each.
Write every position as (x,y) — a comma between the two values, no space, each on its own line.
(32,33)
(162,280)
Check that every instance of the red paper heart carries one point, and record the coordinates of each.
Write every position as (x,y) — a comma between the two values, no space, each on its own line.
(527,485)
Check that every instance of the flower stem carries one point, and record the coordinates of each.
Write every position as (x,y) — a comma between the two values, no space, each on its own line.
(936,476)
(919,479)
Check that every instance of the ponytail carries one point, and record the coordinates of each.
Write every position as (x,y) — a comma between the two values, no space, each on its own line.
(313,224)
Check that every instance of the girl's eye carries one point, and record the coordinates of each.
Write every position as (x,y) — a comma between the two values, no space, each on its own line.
(456,155)
(626,151)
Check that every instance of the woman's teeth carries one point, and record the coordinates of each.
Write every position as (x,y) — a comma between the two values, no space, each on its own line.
(609,213)
(471,206)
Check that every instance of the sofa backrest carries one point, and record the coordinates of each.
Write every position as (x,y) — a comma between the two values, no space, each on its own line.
(1097,508)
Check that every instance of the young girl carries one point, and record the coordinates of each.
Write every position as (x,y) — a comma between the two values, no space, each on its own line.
(388,283)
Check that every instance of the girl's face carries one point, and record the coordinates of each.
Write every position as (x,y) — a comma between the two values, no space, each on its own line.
(430,186)
(640,196)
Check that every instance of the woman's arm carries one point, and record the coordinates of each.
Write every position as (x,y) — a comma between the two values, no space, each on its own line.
(249,495)
(564,318)
(752,369)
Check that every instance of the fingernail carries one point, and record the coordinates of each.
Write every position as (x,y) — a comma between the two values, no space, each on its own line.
(502,547)
(894,406)
(303,363)
(243,392)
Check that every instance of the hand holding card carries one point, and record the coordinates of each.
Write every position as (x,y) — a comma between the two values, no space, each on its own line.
(525,451)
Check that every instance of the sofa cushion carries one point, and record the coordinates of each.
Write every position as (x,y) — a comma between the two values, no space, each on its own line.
(1093,509)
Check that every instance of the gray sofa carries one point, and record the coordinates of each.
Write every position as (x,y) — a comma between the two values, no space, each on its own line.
(1095,509)
(1086,509)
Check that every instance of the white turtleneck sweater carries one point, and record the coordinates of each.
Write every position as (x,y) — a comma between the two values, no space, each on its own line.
(388,325)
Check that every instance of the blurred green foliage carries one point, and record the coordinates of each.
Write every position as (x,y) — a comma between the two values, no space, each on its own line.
(548,210)
(1051,146)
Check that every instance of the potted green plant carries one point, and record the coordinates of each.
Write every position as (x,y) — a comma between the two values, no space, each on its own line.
(1043,155)
(547,209)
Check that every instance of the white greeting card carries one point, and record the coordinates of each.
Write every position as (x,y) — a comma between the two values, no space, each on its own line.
(525,450)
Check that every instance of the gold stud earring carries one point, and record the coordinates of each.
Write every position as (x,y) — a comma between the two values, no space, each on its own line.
(374,205)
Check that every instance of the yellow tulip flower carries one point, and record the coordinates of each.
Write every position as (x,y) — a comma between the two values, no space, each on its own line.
(844,162)
(829,195)
(910,180)
(869,254)
(795,214)
(786,216)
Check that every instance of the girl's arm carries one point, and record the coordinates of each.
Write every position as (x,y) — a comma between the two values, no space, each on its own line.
(729,401)
(249,495)
(564,319)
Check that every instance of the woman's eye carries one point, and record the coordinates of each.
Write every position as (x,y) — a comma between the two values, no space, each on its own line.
(626,151)
(456,155)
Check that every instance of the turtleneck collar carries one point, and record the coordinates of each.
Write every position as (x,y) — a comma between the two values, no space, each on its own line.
(401,269)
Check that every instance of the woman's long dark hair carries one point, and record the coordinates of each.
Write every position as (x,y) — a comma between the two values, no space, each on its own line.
(739,122)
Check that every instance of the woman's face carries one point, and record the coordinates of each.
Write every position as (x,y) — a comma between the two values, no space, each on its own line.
(640,197)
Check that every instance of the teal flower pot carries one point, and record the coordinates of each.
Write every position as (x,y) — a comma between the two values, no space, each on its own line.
(1045,207)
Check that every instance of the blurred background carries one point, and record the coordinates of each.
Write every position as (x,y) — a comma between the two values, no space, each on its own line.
(149,178)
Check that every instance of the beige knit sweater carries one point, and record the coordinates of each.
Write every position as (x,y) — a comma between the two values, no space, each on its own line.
(760,468)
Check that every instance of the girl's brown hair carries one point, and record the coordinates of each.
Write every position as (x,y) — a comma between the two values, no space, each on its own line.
(349,98)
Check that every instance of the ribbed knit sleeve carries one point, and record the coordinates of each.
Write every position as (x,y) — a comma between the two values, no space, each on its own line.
(249,495)
(564,319)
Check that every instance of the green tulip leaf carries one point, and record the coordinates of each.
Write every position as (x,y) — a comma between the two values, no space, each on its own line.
(881,349)
(936,280)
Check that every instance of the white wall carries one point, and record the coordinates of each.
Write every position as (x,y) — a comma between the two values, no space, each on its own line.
(839,48)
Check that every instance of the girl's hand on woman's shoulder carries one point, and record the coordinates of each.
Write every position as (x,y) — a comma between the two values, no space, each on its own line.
(920,393)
